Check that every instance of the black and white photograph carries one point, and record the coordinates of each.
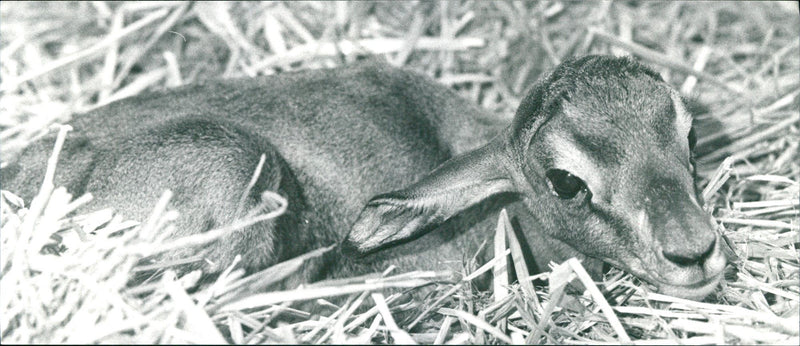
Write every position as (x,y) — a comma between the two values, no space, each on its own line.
(400,172)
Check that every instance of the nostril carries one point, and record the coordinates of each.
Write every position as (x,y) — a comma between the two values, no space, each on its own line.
(681,260)
(688,259)
(709,250)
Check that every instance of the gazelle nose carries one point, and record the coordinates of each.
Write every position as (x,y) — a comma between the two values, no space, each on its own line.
(688,258)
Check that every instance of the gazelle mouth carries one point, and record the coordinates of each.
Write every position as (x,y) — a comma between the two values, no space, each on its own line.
(696,290)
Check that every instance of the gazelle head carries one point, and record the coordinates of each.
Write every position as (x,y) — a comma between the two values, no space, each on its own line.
(600,153)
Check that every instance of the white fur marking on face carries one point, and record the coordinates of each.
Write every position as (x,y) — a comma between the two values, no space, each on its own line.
(683,120)
(567,156)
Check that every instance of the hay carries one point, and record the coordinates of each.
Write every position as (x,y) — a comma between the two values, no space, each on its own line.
(64,277)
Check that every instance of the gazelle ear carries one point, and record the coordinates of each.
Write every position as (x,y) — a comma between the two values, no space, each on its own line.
(399,216)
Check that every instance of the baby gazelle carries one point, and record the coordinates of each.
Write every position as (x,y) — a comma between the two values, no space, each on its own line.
(596,164)
(600,153)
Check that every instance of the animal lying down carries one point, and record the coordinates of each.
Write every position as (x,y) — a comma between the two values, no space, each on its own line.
(398,169)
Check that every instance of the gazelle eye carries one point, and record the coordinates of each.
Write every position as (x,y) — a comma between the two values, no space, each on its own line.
(564,184)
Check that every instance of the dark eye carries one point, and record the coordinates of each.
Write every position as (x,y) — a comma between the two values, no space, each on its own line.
(564,184)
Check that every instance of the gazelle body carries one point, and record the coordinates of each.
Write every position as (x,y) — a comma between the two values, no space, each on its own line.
(596,164)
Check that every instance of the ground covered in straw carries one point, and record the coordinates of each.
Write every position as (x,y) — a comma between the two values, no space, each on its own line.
(64,274)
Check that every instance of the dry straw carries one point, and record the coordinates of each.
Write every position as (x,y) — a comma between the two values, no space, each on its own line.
(64,274)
